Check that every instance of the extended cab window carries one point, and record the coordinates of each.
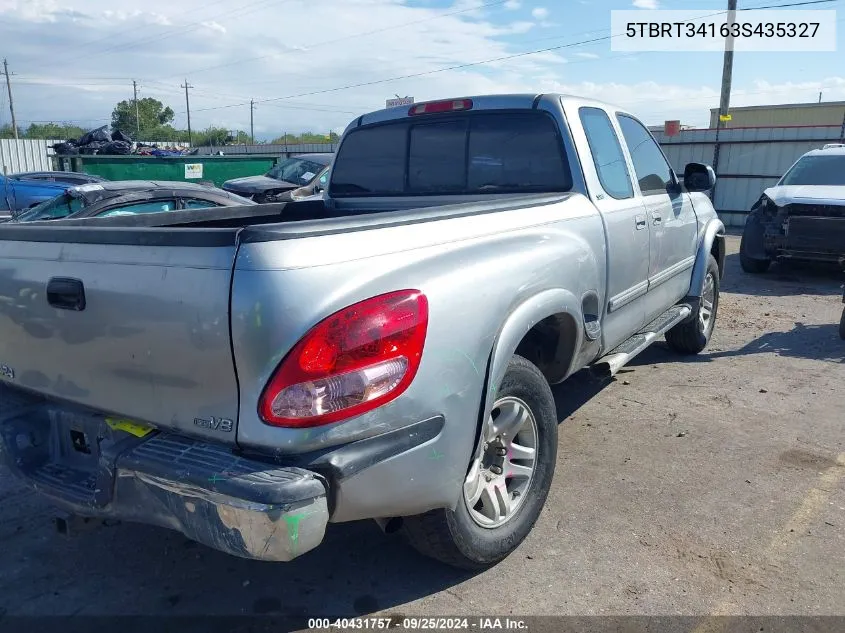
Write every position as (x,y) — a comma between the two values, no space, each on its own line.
(607,153)
(477,152)
(653,172)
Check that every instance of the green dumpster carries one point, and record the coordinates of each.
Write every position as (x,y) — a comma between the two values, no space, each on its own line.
(216,169)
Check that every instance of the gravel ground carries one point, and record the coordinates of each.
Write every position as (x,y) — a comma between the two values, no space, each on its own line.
(711,485)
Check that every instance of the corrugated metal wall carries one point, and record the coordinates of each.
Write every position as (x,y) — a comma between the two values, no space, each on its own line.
(750,160)
(277,149)
(24,155)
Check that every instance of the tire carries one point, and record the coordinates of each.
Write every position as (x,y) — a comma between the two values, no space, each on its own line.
(842,325)
(691,337)
(750,264)
(457,537)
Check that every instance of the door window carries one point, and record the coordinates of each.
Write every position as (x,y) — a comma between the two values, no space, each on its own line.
(195,203)
(653,172)
(153,206)
(607,153)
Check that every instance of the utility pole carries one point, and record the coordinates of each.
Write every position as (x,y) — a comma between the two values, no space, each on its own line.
(727,67)
(251,126)
(11,103)
(727,75)
(188,108)
(137,117)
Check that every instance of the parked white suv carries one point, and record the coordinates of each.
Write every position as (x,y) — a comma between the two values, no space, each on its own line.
(802,216)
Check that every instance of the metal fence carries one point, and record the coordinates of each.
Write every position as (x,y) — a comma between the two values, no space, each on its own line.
(750,160)
(277,149)
(23,155)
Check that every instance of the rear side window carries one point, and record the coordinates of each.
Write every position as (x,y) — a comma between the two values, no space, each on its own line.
(372,160)
(505,152)
(153,206)
(196,203)
(607,153)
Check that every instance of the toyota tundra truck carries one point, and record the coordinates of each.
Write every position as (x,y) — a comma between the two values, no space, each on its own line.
(247,375)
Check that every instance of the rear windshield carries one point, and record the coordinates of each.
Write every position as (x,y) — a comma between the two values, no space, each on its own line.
(817,170)
(481,152)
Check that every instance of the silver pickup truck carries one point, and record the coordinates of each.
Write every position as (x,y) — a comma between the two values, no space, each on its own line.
(247,375)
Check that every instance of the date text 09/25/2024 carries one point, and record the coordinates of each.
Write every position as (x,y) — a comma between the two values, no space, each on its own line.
(481,624)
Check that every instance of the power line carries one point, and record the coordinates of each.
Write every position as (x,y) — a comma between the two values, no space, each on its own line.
(345,38)
(487,61)
(135,28)
(191,26)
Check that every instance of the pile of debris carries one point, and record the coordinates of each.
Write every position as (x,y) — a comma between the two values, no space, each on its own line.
(99,141)
(117,143)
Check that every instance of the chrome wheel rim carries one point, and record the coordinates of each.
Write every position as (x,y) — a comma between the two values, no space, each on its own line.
(708,301)
(501,474)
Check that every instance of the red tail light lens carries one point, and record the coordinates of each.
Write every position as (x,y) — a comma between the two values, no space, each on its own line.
(454,105)
(352,362)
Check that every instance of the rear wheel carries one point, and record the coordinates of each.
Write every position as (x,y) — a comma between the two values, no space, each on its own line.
(691,337)
(507,481)
(842,325)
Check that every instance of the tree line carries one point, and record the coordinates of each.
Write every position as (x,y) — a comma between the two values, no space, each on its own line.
(154,123)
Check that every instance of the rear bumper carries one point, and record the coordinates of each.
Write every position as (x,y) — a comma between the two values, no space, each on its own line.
(238,505)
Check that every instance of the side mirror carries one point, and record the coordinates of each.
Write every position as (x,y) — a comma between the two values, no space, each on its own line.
(699,177)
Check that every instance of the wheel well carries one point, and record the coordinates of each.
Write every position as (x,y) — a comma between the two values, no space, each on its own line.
(550,345)
(718,252)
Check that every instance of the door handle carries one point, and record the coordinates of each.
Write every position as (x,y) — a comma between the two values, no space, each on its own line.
(656,218)
(640,222)
(66,293)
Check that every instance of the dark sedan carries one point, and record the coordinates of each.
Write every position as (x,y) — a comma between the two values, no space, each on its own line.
(288,174)
(64,177)
(129,197)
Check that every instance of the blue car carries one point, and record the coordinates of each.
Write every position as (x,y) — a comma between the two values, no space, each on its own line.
(22,191)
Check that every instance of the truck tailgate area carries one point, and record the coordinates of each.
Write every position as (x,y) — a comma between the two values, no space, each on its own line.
(132,323)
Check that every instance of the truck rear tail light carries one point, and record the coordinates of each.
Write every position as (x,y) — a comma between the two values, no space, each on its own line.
(453,105)
(351,362)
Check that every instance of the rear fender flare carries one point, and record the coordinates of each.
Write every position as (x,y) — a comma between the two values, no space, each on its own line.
(714,229)
(518,323)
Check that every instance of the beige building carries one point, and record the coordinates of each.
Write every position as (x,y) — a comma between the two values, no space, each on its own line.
(824,113)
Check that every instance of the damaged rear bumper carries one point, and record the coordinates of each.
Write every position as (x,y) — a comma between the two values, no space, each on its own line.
(232,503)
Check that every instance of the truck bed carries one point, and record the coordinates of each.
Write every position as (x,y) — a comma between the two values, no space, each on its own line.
(130,315)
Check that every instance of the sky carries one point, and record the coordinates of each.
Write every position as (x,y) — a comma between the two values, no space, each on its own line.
(317,64)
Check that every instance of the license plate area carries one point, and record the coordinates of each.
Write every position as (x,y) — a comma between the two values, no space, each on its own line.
(76,439)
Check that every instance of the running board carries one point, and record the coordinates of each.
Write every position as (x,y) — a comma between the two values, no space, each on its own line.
(612,362)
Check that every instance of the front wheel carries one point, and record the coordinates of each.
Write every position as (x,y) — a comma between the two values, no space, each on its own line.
(691,337)
(507,480)
(750,264)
